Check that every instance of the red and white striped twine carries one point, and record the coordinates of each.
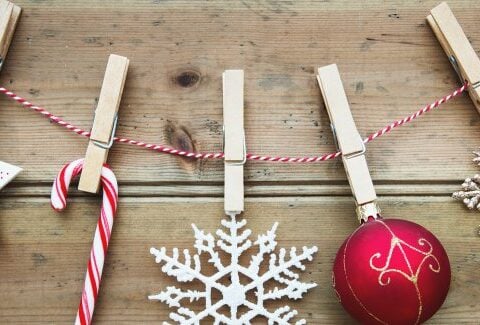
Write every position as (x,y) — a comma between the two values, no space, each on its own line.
(102,235)
(197,155)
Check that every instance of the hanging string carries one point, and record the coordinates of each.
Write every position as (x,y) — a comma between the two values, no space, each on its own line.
(250,156)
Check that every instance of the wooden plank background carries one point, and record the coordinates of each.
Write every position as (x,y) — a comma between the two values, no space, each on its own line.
(391,65)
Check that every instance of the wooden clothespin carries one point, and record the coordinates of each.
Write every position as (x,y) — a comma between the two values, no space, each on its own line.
(457,47)
(349,142)
(104,124)
(9,14)
(234,141)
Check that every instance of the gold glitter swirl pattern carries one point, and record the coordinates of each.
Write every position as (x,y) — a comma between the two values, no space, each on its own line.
(396,242)
(425,248)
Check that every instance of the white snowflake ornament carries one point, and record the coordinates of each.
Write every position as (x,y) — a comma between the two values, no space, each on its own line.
(281,268)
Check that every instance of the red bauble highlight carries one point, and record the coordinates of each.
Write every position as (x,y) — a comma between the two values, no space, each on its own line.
(391,271)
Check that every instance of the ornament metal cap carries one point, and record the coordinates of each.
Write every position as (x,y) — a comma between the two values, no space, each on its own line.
(366,211)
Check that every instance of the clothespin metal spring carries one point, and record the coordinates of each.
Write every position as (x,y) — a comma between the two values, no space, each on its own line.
(108,145)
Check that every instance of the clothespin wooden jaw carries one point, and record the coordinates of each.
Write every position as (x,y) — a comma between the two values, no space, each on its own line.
(9,14)
(457,47)
(349,142)
(104,124)
(233,141)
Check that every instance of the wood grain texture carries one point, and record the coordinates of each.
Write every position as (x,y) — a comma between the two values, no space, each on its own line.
(44,253)
(390,62)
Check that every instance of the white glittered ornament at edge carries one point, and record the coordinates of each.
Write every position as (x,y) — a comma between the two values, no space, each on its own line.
(282,267)
(7,173)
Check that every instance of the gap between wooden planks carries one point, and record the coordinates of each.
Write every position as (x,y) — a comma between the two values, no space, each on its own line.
(263,189)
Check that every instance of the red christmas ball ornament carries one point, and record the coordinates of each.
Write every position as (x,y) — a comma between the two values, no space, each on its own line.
(387,271)
(391,271)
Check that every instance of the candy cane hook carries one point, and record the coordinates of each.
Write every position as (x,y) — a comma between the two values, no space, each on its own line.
(102,232)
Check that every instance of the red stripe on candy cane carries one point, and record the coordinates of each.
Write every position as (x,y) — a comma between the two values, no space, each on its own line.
(102,232)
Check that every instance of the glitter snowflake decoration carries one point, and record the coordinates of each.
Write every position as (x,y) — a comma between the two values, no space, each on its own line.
(234,242)
(470,194)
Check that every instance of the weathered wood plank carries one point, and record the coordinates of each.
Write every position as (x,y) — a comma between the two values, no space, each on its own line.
(43,254)
(390,62)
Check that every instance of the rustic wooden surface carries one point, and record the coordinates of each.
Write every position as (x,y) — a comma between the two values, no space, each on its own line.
(391,65)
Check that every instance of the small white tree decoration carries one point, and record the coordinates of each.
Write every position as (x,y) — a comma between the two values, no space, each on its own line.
(281,269)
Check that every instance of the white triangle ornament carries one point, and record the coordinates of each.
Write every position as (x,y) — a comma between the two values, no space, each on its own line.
(7,173)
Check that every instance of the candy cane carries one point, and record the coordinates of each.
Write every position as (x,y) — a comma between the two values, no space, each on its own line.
(102,232)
